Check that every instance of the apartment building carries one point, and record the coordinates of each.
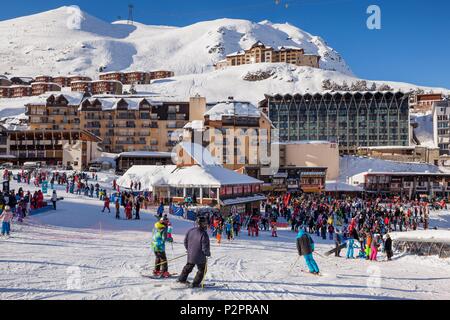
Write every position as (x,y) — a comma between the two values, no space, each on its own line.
(5,82)
(260,53)
(66,81)
(131,123)
(113,76)
(43,79)
(76,148)
(21,81)
(409,184)
(78,78)
(233,130)
(5,92)
(107,87)
(441,126)
(55,111)
(351,119)
(98,87)
(161,74)
(38,88)
(136,77)
(19,91)
(424,102)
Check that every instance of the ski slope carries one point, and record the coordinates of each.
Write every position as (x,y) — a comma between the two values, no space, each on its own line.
(45,257)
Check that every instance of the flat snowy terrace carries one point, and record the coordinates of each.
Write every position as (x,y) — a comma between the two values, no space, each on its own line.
(45,257)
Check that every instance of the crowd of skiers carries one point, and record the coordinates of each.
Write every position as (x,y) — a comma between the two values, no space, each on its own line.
(18,205)
(353,222)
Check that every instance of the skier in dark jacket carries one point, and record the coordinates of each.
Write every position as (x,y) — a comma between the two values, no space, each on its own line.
(196,243)
(388,247)
(305,248)
(338,242)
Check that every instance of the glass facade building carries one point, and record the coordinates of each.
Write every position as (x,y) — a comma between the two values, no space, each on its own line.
(351,119)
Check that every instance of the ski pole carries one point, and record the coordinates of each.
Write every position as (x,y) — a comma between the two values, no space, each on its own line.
(167,261)
(293,265)
(204,274)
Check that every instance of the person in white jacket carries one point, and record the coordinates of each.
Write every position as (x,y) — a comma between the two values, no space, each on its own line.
(6,218)
(54,199)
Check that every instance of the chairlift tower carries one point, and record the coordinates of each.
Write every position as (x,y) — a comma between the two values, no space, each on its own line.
(130,14)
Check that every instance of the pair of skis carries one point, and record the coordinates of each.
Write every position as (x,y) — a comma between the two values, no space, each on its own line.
(178,285)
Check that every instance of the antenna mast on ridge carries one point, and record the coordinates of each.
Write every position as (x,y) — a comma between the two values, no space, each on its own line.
(130,14)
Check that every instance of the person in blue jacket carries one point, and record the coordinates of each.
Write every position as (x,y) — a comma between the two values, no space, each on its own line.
(351,246)
(160,210)
(159,248)
(305,248)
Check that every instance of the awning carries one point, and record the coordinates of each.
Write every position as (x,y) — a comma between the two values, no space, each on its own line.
(231,202)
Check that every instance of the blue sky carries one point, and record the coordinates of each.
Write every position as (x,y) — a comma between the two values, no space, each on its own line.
(413,44)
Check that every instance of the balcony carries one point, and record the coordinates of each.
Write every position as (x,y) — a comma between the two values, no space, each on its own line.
(126,142)
(93,126)
(126,117)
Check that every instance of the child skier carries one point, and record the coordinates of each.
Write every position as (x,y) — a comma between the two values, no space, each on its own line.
(117,204)
(229,228)
(273,226)
(106,204)
(6,218)
(159,248)
(128,211)
(219,232)
(305,248)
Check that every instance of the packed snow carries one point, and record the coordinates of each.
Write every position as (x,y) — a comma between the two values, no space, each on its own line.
(78,252)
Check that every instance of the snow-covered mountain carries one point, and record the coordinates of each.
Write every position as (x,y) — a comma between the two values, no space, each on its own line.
(69,41)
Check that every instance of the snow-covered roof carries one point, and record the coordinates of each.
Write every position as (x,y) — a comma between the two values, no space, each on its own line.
(110,72)
(232,108)
(330,92)
(199,154)
(111,103)
(189,177)
(288,48)
(197,125)
(236,53)
(46,83)
(331,186)
(146,154)
(73,98)
(406,173)
(109,81)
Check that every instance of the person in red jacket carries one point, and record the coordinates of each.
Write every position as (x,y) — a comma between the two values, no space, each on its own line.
(255,225)
(106,204)
(40,199)
(128,211)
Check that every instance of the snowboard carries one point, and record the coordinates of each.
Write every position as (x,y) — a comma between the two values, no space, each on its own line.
(342,246)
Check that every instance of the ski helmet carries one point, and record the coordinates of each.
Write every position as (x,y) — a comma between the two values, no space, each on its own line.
(202,222)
